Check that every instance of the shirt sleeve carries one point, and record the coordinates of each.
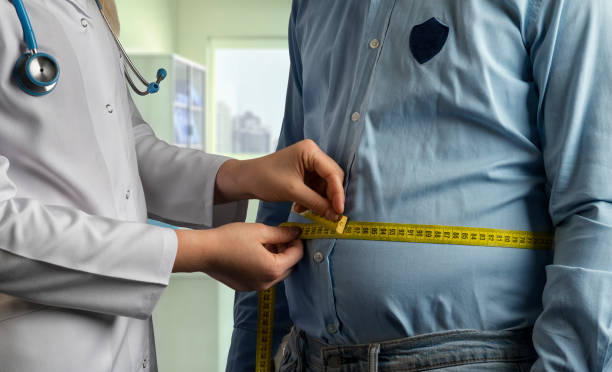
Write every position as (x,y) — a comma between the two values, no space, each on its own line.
(64,257)
(570,45)
(179,183)
(242,350)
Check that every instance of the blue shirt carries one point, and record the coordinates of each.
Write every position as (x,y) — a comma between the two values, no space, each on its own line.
(492,114)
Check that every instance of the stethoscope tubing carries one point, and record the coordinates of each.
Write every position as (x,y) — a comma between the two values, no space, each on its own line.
(32,86)
(151,87)
(26,25)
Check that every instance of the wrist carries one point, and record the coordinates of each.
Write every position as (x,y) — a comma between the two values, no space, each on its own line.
(194,250)
(230,184)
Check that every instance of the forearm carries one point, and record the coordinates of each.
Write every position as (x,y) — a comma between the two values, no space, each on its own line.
(573,333)
(193,250)
(63,257)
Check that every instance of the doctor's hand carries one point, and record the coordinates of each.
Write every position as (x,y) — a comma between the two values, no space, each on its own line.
(244,256)
(301,173)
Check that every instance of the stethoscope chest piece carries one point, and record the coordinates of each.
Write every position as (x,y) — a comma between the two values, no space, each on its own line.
(36,73)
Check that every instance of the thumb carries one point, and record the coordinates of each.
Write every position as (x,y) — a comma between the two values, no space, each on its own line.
(290,256)
(279,235)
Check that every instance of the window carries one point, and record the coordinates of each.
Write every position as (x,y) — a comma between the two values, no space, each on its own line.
(249,87)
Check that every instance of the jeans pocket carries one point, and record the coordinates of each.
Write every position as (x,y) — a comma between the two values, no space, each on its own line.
(285,359)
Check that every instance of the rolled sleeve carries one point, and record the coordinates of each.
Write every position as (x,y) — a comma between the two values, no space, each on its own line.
(571,50)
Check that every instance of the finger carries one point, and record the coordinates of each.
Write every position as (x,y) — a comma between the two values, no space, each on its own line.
(299,208)
(290,256)
(274,248)
(310,199)
(335,194)
(282,277)
(333,175)
(279,235)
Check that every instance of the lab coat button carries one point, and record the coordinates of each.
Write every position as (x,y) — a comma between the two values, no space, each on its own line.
(318,257)
(84,23)
(355,117)
(374,43)
(145,363)
(127,194)
(109,108)
(331,328)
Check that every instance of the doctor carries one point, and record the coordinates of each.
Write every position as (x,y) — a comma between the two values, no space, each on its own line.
(80,171)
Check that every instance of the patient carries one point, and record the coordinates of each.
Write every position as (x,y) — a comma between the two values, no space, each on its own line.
(463,113)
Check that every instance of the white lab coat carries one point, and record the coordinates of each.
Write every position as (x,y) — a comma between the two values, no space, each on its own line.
(80,270)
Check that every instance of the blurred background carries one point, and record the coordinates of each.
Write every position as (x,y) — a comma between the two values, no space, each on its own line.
(228,66)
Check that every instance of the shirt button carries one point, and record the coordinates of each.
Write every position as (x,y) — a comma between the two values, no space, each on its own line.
(84,23)
(374,43)
(109,108)
(355,117)
(331,328)
(127,194)
(145,363)
(318,257)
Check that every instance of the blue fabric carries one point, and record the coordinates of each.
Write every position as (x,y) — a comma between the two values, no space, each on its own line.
(509,126)
(456,351)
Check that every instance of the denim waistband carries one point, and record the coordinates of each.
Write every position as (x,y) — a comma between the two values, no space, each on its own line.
(435,350)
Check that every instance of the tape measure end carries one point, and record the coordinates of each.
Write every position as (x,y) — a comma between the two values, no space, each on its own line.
(337,226)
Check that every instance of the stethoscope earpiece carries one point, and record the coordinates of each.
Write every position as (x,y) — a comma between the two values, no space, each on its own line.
(36,73)
(154,87)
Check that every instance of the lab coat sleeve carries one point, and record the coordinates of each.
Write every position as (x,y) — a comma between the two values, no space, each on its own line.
(241,357)
(179,183)
(571,52)
(63,257)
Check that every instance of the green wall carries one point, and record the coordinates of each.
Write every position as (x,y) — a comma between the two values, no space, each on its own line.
(148,25)
(201,20)
(185,27)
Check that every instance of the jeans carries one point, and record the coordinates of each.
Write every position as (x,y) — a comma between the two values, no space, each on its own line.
(454,351)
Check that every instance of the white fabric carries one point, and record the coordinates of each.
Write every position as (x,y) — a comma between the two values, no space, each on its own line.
(80,270)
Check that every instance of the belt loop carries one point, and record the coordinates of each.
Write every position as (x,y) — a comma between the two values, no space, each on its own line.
(373,351)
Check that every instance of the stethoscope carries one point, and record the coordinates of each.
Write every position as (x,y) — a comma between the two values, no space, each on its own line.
(37,73)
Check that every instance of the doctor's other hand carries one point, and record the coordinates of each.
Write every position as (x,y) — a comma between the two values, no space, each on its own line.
(244,256)
(301,173)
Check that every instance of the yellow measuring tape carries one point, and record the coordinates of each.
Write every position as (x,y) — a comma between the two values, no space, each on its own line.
(393,232)
(265,326)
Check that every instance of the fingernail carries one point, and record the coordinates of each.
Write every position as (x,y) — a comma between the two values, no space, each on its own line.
(331,216)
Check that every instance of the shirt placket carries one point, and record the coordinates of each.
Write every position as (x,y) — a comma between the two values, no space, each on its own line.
(373,42)
(374,37)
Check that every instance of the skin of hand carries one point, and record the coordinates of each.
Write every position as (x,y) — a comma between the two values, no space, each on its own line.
(254,256)
(244,256)
(302,173)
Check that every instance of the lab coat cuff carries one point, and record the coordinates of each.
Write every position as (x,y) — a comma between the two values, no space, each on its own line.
(166,263)
(168,255)
(221,214)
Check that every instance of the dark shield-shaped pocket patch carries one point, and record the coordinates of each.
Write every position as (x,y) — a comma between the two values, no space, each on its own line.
(427,39)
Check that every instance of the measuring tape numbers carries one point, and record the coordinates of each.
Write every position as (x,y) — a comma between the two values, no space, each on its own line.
(392,232)
(431,234)
(265,327)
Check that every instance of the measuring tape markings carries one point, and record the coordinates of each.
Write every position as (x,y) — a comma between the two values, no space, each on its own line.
(394,232)
(265,326)
(431,234)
